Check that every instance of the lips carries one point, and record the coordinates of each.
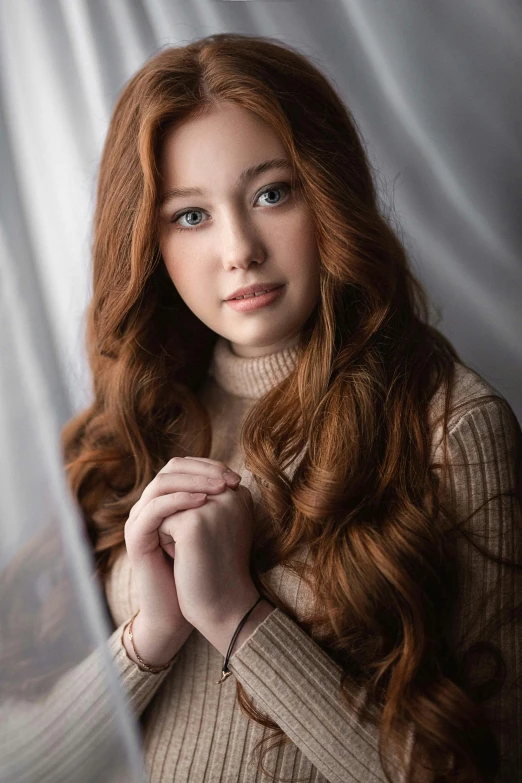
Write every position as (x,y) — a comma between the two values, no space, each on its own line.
(258,301)
(257,289)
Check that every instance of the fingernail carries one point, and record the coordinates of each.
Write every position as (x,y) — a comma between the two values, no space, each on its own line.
(230,474)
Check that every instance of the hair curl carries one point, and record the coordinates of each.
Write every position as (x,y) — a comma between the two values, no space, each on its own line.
(363,497)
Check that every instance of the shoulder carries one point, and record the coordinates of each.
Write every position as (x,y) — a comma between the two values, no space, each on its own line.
(483,457)
(477,410)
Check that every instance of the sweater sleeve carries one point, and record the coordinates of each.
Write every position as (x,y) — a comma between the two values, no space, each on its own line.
(298,685)
(74,725)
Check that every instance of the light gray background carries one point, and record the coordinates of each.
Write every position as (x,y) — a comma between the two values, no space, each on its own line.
(433,85)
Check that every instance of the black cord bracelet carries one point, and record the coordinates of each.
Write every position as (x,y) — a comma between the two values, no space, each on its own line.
(225,672)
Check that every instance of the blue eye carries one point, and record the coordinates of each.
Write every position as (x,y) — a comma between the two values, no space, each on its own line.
(273,189)
(193,211)
(190,212)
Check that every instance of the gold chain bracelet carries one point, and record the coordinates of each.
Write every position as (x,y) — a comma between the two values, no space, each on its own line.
(146,666)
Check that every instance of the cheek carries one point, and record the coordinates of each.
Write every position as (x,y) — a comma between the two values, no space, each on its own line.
(186,284)
(191,284)
(178,275)
(304,236)
(174,275)
(305,254)
(178,271)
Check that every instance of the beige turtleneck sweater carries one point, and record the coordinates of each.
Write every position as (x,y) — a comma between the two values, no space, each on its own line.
(193,729)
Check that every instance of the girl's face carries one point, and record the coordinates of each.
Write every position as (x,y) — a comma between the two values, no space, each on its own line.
(234,227)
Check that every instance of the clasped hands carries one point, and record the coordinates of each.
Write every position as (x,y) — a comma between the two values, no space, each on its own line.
(200,515)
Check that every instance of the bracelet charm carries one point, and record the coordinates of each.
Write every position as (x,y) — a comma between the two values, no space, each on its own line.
(225,672)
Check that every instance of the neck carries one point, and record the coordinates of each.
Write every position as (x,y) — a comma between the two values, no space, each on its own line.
(254,351)
(250,376)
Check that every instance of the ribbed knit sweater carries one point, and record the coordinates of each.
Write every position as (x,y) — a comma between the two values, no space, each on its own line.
(193,729)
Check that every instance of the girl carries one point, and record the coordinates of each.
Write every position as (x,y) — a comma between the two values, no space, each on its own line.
(289,478)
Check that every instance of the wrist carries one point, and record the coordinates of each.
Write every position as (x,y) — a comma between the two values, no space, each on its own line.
(260,613)
(154,646)
(220,635)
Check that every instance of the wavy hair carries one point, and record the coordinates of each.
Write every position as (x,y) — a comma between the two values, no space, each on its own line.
(363,497)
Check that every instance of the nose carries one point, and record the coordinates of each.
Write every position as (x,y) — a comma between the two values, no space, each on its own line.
(240,244)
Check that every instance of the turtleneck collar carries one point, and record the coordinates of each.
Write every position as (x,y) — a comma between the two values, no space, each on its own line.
(250,377)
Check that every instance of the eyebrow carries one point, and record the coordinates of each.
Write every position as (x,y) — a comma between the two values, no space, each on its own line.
(246,176)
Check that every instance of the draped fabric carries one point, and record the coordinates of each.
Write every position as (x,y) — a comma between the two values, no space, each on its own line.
(434,90)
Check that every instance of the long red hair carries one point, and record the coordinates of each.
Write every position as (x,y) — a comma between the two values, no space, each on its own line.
(363,497)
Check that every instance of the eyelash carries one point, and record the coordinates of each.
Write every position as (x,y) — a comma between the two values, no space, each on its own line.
(278,186)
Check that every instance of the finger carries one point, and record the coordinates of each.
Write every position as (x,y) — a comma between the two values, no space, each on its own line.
(221,467)
(170,549)
(167,543)
(165,483)
(164,538)
(141,533)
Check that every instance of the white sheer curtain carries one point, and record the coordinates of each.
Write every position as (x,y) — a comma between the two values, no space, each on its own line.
(45,571)
(434,88)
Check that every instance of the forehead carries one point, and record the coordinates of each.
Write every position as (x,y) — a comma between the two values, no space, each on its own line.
(228,144)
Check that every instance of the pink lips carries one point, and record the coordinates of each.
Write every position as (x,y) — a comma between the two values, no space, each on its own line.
(253,288)
(254,302)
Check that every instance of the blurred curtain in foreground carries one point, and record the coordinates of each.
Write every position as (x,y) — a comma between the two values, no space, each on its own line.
(53,632)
